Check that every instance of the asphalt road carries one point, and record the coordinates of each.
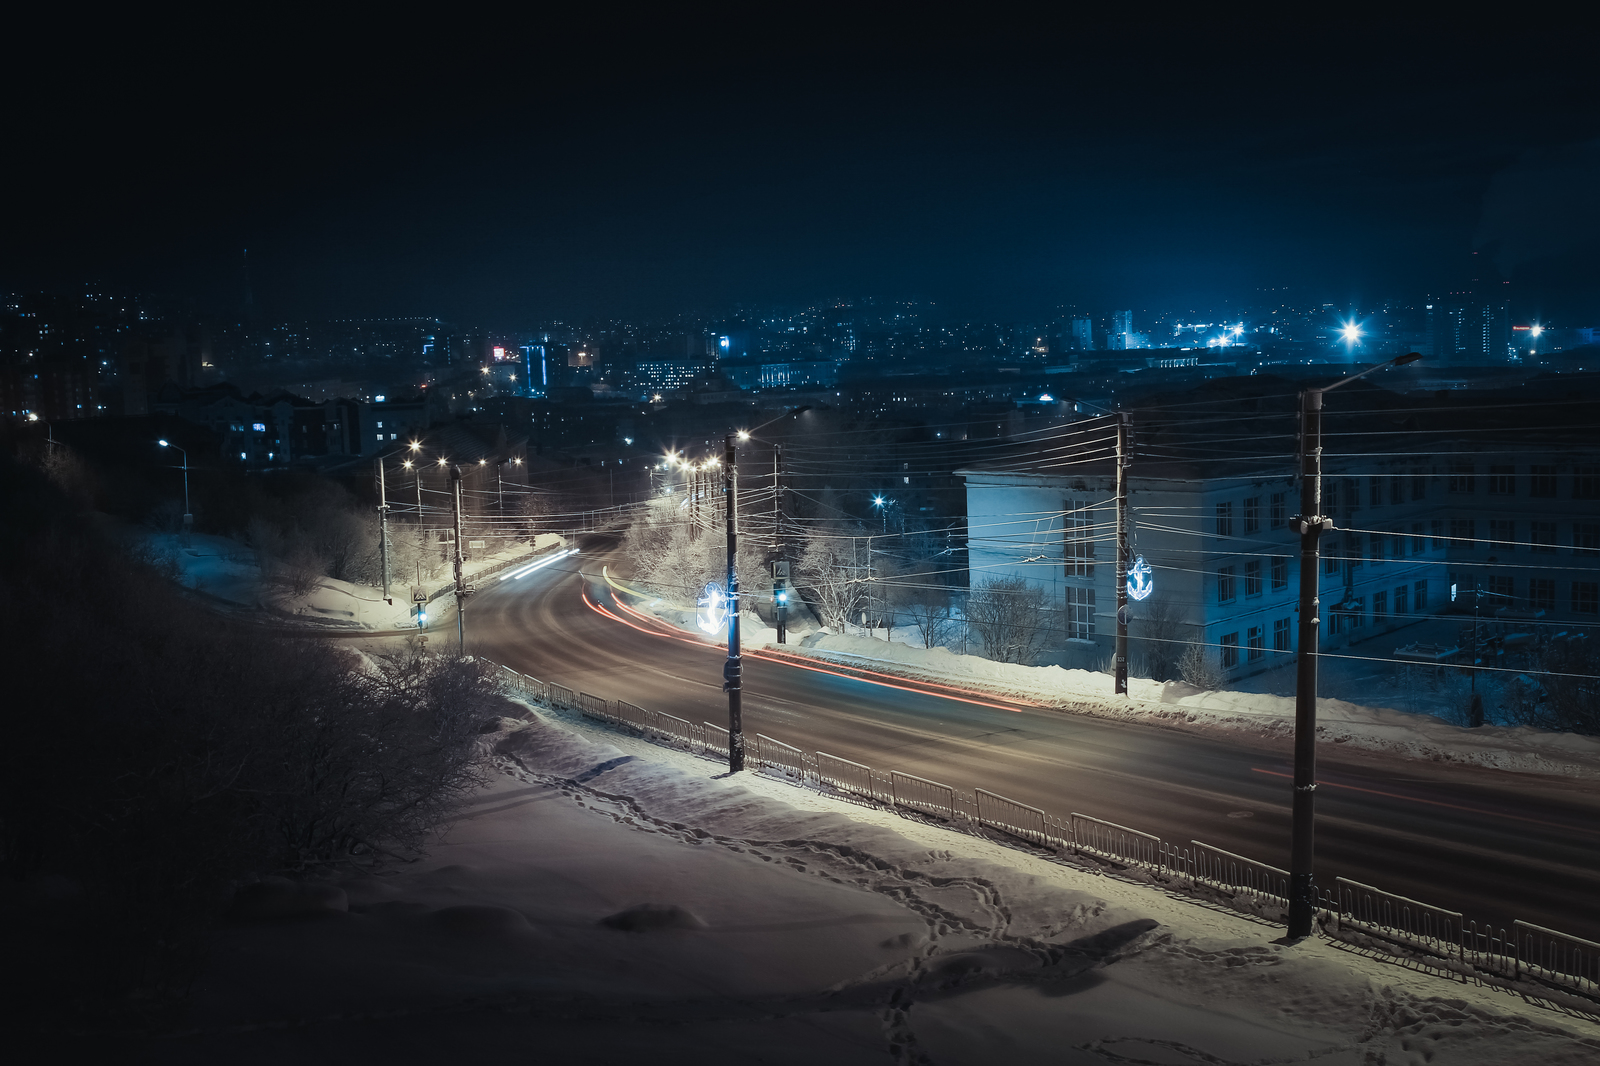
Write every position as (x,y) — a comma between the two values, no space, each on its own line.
(1493,845)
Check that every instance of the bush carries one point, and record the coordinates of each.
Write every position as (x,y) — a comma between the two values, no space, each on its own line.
(1198,669)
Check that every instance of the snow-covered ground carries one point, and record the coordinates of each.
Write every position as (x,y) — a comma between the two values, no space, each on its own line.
(225,572)
(606,900)
(1383,729)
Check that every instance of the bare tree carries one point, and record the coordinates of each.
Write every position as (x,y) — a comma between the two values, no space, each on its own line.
(1563,694)
(831,578)
(1011,618)
(1157,627)
(927,606)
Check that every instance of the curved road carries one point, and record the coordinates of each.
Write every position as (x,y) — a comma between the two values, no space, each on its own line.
(1493,845)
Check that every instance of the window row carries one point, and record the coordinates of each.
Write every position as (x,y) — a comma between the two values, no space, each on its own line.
(1352,613)
(1255,643)
(1251,515)
(1541,480)
(1502,535)
(1276,568)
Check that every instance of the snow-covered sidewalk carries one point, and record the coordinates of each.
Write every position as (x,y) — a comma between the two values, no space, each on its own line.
(606,900)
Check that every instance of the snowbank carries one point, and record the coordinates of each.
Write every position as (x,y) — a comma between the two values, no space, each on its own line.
(1521,749)
(225,572)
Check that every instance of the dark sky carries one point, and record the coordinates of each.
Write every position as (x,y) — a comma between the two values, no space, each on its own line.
(501,173)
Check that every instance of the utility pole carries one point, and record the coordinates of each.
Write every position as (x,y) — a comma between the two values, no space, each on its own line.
(422,534)
(383,532)
(1121,688)
(733,672)
(1310,523)
(461,591)
(780,567)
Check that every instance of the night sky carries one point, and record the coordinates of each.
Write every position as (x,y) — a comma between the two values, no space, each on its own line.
(501,174)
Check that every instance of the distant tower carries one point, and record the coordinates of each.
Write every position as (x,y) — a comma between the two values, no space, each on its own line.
(1121,328)
(1083,333)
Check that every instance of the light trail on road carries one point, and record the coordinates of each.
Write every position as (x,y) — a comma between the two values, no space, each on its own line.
(1494,845)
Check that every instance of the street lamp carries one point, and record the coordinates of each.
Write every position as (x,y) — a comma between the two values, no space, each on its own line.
(1310,523)
(188,515)
(883,511)
(733,670)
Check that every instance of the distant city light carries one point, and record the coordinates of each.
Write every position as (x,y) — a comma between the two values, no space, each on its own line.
(1045,397)
(1351,333)
(1536,330)
(380,399)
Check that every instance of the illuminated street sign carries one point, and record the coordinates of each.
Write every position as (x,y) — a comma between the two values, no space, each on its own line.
(713,609)
(1141,580)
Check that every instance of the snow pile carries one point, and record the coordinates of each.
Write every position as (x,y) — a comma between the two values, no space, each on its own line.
(1521,749)
(1517,748)
(615,903)
(225,572)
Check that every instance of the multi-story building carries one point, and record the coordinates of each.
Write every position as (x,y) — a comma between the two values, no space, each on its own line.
(1426,520)
(1464,330)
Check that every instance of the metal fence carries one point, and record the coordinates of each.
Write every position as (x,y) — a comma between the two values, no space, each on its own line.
(787,760)
(1223,869)
(1384,914)
(1009,816)
(1529,955)
(920,794)
(1117,843)
(844,775)
(1558,958)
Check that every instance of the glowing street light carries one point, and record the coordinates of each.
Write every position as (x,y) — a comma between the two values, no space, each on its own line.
(188,515)
(1351,333)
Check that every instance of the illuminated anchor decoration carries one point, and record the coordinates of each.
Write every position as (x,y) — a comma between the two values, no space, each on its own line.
(713,611)
(1141,579)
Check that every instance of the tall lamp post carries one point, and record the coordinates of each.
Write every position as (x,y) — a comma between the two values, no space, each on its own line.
(733,670)
(1310,523)
(188,515)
